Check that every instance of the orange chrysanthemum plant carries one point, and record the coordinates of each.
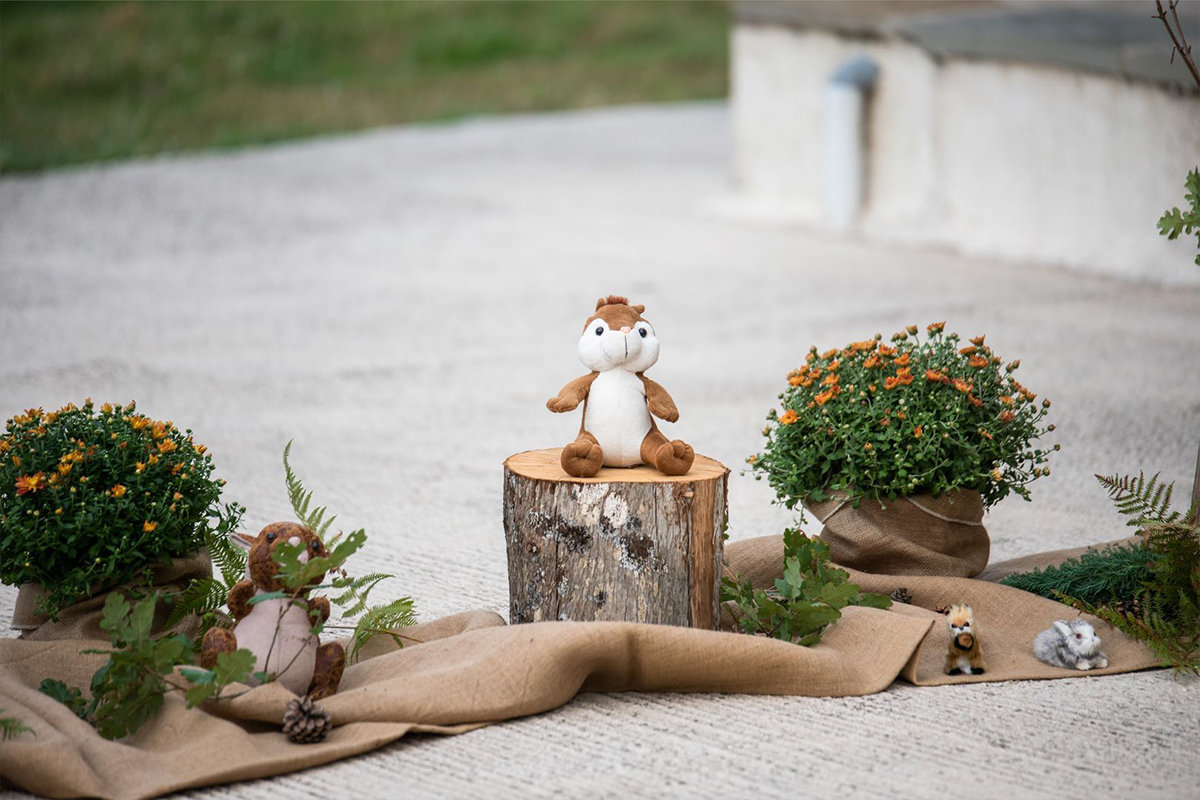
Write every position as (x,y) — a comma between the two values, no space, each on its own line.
(878,421)
(93,498)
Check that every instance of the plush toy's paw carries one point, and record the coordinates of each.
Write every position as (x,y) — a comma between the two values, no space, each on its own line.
(1100,663)
(663,410)
(216,641)
(327,673)
(674,458)
(560,404)
(582,459)
(1082,664)
(955,671)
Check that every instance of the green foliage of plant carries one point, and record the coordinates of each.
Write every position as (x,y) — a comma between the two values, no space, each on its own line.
(91,499)
(89,81)
(311,516)
(350,594)
(1144,500)
(1164,610)
(11,727)
(129,688)
(802,603)
(1175,222)
(1112,575)
(878,421)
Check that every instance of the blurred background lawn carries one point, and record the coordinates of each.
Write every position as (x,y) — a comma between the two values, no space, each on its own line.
(95,81)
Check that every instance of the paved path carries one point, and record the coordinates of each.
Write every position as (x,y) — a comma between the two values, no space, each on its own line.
(402,302)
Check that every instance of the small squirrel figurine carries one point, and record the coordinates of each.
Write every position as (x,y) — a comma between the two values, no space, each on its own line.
(1073,645)
(619,401)
(963,656)
(279,631)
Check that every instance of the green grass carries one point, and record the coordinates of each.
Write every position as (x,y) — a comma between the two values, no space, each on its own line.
(96,81)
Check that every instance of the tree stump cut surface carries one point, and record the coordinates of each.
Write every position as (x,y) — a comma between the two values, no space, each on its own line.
(628,544)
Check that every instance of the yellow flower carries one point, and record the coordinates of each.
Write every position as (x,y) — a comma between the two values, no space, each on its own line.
(199,448)
(961,385)
(997,476)
(788,417)
(918,431)
(978,362)
(177,496)
(149,526)
(166,446)
(936,327)
(140,467)
(31,483)
(829,354)
(64,469)
(826,396)
(117,491)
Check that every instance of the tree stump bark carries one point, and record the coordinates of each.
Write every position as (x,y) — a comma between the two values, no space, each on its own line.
(628,544)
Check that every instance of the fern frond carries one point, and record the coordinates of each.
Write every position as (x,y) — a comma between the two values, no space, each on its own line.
(229,559)
(201,596)
(1144,499)
(382,621)
(11,727)
(301,500)
(357,591)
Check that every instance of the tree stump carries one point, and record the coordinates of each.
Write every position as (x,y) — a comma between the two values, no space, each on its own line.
(628,544)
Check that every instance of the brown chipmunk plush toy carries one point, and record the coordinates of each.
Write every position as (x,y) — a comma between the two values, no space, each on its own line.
(279,631)
(618,428)
(963,654)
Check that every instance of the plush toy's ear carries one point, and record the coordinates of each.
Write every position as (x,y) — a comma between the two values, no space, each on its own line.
(639,308)
(1063,628)
(243,540)
(603,301)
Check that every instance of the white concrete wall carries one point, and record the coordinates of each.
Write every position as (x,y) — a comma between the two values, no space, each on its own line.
(998,159)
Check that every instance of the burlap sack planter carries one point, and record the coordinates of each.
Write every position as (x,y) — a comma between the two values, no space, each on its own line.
(917,535)
(81,620)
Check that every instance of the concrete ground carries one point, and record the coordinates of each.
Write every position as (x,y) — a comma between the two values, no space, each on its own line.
(402,302)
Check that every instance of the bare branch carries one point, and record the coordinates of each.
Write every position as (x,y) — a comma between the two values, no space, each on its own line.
(1178,40)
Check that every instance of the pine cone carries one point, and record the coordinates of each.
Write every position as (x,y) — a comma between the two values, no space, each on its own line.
(305,722)
(902,595)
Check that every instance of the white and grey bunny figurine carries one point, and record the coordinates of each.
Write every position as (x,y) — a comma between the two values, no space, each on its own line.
(1073,645)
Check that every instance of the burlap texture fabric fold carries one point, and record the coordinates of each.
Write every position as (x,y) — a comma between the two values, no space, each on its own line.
(82,620)
(918,535)
(471,670)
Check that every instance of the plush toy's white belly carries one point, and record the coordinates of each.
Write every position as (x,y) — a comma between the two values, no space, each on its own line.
(617,416)
(293,648)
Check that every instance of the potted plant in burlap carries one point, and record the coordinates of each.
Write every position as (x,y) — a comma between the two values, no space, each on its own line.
(898,449)
(92,499)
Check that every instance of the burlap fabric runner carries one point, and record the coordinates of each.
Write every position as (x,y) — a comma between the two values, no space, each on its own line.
(472,669)
(918,535)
